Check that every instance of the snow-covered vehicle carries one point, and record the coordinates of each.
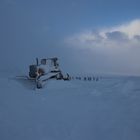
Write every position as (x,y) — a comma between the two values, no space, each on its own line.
(44,70)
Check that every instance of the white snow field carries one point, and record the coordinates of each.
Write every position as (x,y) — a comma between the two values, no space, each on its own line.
(108,109)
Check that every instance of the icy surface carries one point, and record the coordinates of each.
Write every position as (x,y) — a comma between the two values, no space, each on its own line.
(108,109)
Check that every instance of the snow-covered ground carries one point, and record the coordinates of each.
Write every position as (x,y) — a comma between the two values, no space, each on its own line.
(108,109)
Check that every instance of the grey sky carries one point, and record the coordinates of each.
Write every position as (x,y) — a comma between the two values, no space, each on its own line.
(34,28)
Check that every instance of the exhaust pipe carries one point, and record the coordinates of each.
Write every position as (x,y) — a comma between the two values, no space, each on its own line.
(37,63)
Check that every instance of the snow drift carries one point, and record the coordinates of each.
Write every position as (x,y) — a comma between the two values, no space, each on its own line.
(71,110)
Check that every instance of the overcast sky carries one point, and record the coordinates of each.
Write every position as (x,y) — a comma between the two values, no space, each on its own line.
(87,35)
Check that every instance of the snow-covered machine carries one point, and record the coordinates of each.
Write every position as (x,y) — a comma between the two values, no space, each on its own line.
(44,70)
